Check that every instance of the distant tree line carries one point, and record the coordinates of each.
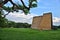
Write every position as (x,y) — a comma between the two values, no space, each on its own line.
(56,27)
(11,24)
(18,25)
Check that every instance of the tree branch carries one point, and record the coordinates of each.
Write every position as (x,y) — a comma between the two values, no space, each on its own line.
(5,1)
(30,4)
(24,4)
(15,5)
(6,14)
(12,2)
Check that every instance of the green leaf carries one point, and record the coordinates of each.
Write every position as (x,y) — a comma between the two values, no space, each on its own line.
(26,11)
(34,5)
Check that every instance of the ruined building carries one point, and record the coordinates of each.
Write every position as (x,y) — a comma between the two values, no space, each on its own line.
(42,22)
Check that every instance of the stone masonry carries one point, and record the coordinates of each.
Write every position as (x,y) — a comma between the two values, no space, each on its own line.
(42,22)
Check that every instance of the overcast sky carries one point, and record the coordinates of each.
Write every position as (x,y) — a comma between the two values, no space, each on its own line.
(43,6)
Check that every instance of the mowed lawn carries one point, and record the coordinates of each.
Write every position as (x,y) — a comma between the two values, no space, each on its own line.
(28,34)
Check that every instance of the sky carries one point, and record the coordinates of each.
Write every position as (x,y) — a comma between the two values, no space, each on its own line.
(43,7)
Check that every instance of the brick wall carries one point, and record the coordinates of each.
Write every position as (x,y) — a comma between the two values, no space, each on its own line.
(42,22)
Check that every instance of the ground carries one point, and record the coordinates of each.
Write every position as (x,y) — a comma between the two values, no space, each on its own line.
(28,34)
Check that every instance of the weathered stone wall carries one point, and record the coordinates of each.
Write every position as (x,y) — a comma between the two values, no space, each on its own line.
(36,22)
(42,22)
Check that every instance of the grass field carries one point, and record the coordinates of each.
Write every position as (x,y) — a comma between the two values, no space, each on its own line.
(28,34)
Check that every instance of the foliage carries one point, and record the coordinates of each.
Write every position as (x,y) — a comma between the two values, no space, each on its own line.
(18,6)
(23,25)
(28,34)
(18,25)
(59,26)
(3,21)
(56,27)
(11,24)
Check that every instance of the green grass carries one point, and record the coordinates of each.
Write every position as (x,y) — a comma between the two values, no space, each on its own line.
(28,34)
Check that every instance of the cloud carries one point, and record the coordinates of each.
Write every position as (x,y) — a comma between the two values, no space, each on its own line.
(21,17)
(56,20)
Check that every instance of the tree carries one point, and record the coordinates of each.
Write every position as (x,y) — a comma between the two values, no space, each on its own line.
(11,24)
(22,25)
(16,7)
(3,21)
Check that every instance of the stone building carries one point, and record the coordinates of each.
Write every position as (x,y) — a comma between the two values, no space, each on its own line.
(42,22)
